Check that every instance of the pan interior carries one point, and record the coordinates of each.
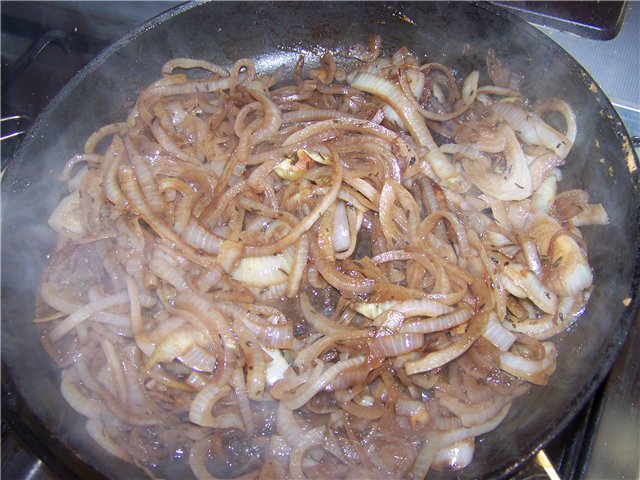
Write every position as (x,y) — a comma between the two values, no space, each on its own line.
(276,34)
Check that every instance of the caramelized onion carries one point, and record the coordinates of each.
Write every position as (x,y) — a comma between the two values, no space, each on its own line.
(303,281)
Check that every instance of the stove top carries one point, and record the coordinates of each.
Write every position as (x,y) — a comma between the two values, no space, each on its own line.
(601,442)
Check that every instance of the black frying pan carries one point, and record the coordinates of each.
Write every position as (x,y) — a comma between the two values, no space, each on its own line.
(602,162)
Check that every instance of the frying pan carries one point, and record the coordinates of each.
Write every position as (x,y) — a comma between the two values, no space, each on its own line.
(274,34)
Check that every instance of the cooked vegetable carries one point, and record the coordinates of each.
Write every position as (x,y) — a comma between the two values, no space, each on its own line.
(304,280)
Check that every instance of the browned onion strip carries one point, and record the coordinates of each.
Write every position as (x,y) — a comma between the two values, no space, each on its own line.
(440,357)
(136,201)
(336,278)
(309,390)
(102,133)
(217,323)
(85,312)
(306,223)
(436,324)
(321,323)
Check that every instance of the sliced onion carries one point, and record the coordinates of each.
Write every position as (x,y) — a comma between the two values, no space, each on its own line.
(271,335)
(513,184)
(201,406)
(531,256)
(52,296)
(309,390)
(370,412)
(319,322)
(439,323)
(242,398)
(534,371)
(198,359)
(304,224)
(67,215)
(532,129)
(217,325)
(529,284)
(262,271)
(82,404)
(312,438)
(453,436)
(592,214)
(95,428)
(426,455)
(562,107)
(137,202)
(85,312)
(176,343)
(171,274)
(455,456)
(421,308)
(201,238)
(412,408)
(396,344)
(549,325)
(545,195)
(497,334)
(272,116)
(440,357)
(337,279)
(287,425)
(392,94)
(341,236)
(298,266)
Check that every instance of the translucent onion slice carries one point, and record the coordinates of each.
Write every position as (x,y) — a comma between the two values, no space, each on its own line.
(312,438)
(176,343)
(512,184)
(592,214)
(201,406)
(85,312)
(82,404)
(262,271)
(472,414)
(288,426)
(497,334)
(533,130)
(527,282)
(309,390)
(455,456)
(318,321)
(95,428)
(67,216)
(534,371)
(393,95)
(341,234)
(453,436)
(440,357)
(198,359)
(439,323)
(396,344)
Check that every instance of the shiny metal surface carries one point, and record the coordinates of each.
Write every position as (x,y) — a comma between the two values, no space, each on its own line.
(615,451)
(615,64)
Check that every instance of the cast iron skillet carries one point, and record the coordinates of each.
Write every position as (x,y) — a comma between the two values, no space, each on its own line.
(602,162)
